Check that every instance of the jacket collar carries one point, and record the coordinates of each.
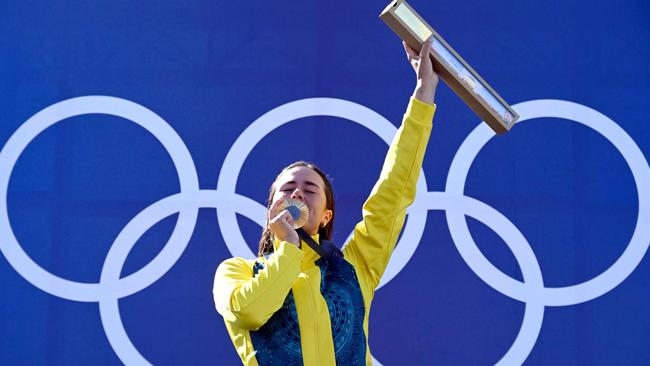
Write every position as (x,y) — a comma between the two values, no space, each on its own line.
(310,255)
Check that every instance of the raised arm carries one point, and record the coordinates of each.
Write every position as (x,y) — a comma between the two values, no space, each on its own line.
(384,211)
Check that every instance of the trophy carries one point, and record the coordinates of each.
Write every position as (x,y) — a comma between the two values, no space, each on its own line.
(453,70)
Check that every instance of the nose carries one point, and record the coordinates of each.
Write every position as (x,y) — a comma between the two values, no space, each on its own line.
(297,194)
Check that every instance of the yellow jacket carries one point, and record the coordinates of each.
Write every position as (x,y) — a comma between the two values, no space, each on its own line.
(293,307)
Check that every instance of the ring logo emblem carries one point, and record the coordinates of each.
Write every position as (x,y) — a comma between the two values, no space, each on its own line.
(228,203)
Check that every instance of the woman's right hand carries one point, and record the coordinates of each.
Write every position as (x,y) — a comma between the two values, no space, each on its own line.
(281,225)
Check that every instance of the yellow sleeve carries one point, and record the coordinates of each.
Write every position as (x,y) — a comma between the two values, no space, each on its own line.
(248,301)
(384,211)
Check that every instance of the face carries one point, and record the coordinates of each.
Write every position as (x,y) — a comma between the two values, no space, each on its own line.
(304,184)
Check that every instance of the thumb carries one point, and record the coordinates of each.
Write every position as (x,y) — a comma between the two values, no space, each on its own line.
(426,48)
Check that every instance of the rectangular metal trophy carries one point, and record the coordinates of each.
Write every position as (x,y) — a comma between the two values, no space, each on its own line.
(456,73)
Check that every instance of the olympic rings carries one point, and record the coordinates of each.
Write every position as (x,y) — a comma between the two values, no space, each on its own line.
(53,114)
(228,203)
(570,295)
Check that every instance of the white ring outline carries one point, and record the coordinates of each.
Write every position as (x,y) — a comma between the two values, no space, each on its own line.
(109,307)
(534,312)
(554,296)
(94,104)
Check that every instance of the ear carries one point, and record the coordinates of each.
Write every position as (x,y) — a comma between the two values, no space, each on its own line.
(327,216)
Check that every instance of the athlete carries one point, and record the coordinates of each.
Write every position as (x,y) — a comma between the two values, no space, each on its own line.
(292,306)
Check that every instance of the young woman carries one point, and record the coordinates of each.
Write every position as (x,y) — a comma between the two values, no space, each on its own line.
(291,306)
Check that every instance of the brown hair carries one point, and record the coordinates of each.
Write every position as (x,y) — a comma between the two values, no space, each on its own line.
(266,243)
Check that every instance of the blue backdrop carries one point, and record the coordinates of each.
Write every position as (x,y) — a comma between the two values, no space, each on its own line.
(551,270)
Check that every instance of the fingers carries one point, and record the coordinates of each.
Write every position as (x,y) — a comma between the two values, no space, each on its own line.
(283,216)
(274,216)
(426,47)
(286,216)
(410,53)
(425,57)
(420,60)
(281,228)
(271,213)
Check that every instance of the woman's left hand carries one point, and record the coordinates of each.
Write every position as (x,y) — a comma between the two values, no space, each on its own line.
(427,78)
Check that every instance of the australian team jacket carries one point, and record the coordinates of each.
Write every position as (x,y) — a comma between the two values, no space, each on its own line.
(293,307)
